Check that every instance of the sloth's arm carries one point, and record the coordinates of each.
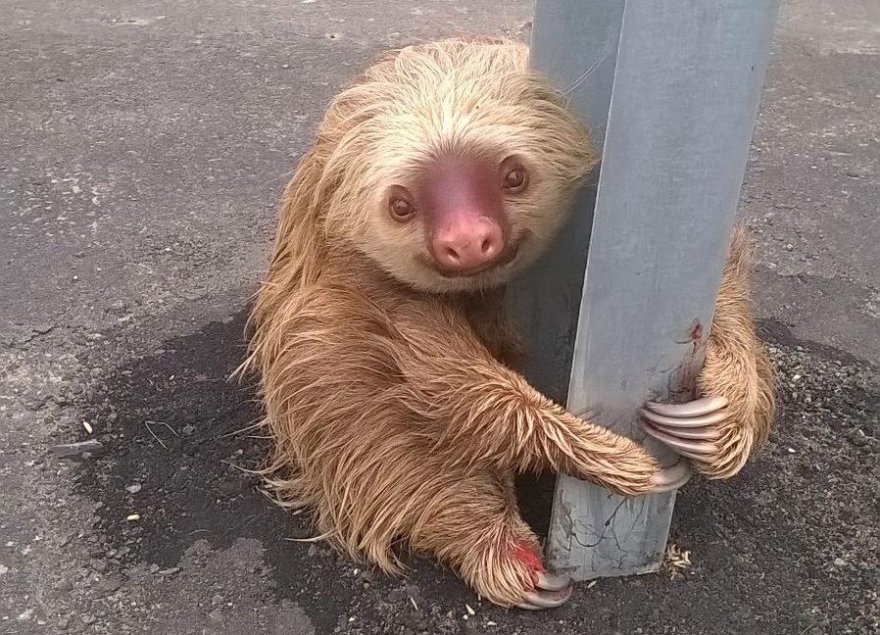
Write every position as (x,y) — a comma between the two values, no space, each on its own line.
(732,419)
(481,413)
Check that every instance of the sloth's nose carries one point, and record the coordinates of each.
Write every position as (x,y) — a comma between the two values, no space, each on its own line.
(467,242)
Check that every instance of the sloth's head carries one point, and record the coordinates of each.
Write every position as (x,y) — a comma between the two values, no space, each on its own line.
(453,164)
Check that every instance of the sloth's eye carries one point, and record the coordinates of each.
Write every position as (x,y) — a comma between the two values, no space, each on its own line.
(515,180)
(401,209)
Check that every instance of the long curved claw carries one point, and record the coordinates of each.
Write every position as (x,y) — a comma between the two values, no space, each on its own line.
(693,434)
(540,599)
(684,421)
(552,582)
(697,408)
(672,477)
(697,450)
(690,428)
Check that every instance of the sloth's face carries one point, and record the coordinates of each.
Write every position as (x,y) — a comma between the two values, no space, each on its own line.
(459,179)
(465,221)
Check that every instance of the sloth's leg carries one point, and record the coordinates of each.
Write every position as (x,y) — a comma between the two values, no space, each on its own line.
(472,525)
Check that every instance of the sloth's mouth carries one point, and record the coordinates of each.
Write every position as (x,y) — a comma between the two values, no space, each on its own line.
(508,256)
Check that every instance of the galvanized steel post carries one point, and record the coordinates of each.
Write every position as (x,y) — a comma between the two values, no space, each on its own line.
(670,91)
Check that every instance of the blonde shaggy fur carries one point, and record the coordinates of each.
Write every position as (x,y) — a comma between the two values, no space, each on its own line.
(388,389)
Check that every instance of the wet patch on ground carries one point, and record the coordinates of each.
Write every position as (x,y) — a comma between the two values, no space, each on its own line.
(789,546)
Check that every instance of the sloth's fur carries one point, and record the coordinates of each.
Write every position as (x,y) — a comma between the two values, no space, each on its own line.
(388,390)
(737,367)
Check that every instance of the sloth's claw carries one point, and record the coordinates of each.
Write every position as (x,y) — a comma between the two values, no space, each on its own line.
(551,590)
(696,408)
(690,429)
(685,421)
(551,582)
(540,599)
(672,478)
(691,449)
(695,434)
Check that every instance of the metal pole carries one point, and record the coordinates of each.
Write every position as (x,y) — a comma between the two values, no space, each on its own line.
(670,91)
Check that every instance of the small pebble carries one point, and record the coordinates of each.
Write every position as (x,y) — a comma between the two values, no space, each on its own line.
(109,585)
(133,489)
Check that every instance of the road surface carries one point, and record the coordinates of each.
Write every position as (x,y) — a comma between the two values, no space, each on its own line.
(143,146)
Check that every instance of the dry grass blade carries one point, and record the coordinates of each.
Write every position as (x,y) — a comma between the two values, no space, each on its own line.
(150,430)
(677,559)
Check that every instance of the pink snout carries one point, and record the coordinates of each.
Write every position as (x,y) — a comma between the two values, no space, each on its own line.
(467,242)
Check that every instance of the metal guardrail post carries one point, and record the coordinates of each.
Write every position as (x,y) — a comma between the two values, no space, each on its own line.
(670,91)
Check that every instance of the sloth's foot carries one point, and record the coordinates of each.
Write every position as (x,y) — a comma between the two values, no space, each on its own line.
(549,590)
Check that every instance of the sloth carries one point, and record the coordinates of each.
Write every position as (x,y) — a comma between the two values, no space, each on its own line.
(385,360)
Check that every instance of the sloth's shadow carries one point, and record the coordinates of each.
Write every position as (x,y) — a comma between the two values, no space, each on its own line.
(174,423)
(171,422)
